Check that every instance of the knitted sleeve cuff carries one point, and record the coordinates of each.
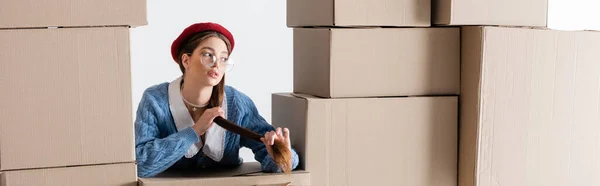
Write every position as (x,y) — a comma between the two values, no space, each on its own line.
(189,134)
(268,165)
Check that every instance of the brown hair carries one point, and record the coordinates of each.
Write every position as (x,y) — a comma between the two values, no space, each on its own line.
(188,47)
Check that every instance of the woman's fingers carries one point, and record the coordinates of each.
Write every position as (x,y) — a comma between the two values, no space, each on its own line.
(214,112)
(221,112)
(273,137)
(267,138)
(279,133)
(286,133)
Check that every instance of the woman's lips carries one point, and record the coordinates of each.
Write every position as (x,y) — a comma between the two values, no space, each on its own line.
(213,74)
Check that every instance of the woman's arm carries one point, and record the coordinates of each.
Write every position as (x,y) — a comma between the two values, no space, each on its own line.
(254,121)
(155,155)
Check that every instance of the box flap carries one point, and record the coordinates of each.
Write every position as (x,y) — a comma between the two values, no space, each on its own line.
(303,96)
(245,168)
(293,117)
(247,174)
(72,13)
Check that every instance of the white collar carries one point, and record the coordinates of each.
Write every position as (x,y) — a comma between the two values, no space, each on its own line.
(214,146)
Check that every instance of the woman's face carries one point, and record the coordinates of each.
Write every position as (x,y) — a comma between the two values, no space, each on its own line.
(206,66)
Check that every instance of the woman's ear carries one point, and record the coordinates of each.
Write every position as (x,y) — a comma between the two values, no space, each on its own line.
(185,60)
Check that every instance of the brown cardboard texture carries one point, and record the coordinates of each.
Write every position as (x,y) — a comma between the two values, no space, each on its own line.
(491,12)
(336,63)
(72,13)
(529,107)
(66,97)
(405,13)
(96,175)
(248,174)
(373,141)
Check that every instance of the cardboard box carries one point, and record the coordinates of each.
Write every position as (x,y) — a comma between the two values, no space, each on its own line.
(336,63)
(491,12)
(373,141)
(248,174)
(529,107)
(72,13)
(414,13)
(66,97)
(123,174)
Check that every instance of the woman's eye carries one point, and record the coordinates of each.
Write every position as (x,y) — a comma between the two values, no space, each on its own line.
(207,54)
(224,59)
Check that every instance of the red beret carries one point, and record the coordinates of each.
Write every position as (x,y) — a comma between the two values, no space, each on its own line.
(195,28)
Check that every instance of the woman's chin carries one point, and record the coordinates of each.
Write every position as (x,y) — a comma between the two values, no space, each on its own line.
(209,81)
(213,82)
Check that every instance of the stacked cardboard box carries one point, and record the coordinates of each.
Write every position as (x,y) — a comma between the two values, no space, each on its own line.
(375,93)
(65,115)
(529,107)
(530,96)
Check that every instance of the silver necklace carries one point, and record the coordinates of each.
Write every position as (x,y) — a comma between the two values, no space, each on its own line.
(194,106)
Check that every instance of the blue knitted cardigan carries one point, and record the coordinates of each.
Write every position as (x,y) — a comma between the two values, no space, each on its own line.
(160,146)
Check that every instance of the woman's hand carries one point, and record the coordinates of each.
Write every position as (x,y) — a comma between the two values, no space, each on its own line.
(280,135)
(206,120)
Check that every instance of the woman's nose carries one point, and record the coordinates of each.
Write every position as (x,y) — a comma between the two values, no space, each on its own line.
(216,64)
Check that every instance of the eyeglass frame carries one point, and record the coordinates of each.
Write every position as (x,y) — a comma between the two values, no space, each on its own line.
(214,59)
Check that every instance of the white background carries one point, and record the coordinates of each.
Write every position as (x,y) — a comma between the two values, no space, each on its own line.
(263,50)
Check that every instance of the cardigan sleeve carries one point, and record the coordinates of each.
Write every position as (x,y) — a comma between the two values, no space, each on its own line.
(154,154)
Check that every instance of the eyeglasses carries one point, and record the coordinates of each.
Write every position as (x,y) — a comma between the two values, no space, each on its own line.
(210,60)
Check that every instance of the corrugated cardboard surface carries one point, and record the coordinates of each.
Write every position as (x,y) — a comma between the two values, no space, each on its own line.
(376,62)
(96,175)
(49,13)
(66,97)
(358,13)
(247,174)
(373,141)
(490,12)
(530,107)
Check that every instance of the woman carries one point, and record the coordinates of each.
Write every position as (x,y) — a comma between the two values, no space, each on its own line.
(174,125)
